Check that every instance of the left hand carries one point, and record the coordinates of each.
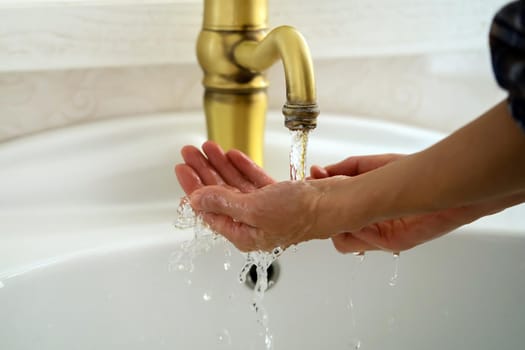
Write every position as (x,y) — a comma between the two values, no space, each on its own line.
(239,200)
(232,169)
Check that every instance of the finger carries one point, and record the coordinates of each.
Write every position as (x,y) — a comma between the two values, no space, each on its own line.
(318,172)
(241,235)
(223,201)
(354,166)
(249,169)
(195,159)
(347,243)
(225,168)
(188,178)
(385,235)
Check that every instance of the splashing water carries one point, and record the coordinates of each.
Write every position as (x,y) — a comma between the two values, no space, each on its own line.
(186,217)
(391,322)
(204,239)
(227,256)
(261,261)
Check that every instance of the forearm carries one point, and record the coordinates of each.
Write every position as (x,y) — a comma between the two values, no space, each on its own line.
(482,161)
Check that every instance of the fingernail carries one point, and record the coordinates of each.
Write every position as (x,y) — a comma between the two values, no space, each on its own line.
(203,200)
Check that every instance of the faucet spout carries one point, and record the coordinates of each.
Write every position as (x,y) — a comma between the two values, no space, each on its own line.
(233,51)
(287,44)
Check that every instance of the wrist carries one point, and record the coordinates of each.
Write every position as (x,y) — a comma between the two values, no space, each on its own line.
(345,204)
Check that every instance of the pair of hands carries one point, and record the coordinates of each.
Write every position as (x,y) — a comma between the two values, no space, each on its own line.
(241,201)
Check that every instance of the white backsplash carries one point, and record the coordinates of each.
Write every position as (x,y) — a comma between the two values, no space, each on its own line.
(35,101)
(440,91)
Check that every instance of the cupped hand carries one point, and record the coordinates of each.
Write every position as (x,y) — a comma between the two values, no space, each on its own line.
(233,170)
(241,201)
(406,232)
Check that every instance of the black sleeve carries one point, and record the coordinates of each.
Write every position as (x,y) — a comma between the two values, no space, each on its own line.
(507,45)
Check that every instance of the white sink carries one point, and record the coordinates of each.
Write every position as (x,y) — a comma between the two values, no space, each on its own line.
(86,237)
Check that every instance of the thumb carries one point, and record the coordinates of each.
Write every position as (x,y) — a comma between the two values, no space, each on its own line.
(318,172)
(220,200)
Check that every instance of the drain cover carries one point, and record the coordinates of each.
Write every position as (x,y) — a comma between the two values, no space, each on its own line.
(272,274)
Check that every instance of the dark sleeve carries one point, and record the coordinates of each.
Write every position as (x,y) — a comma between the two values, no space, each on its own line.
(507,45)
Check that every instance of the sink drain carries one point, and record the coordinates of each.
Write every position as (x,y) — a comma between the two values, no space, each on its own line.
(272,274)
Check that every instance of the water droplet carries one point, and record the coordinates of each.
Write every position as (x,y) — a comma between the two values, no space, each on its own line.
(268,340)
(391,323)
(350,304)
(245,269)
(224,337)
(395,274)
(206,296)
(2,285)
(227,266)
(227,249)
(360,256)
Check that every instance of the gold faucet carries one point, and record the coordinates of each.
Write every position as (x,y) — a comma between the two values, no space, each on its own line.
(233,50)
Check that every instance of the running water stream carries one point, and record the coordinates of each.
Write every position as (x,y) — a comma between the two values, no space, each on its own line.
(262,260)
(298,155)
(204,239)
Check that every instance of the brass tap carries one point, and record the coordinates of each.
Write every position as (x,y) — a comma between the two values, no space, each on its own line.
(233,50)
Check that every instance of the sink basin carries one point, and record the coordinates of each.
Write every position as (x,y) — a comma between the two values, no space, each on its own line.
(87,238)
